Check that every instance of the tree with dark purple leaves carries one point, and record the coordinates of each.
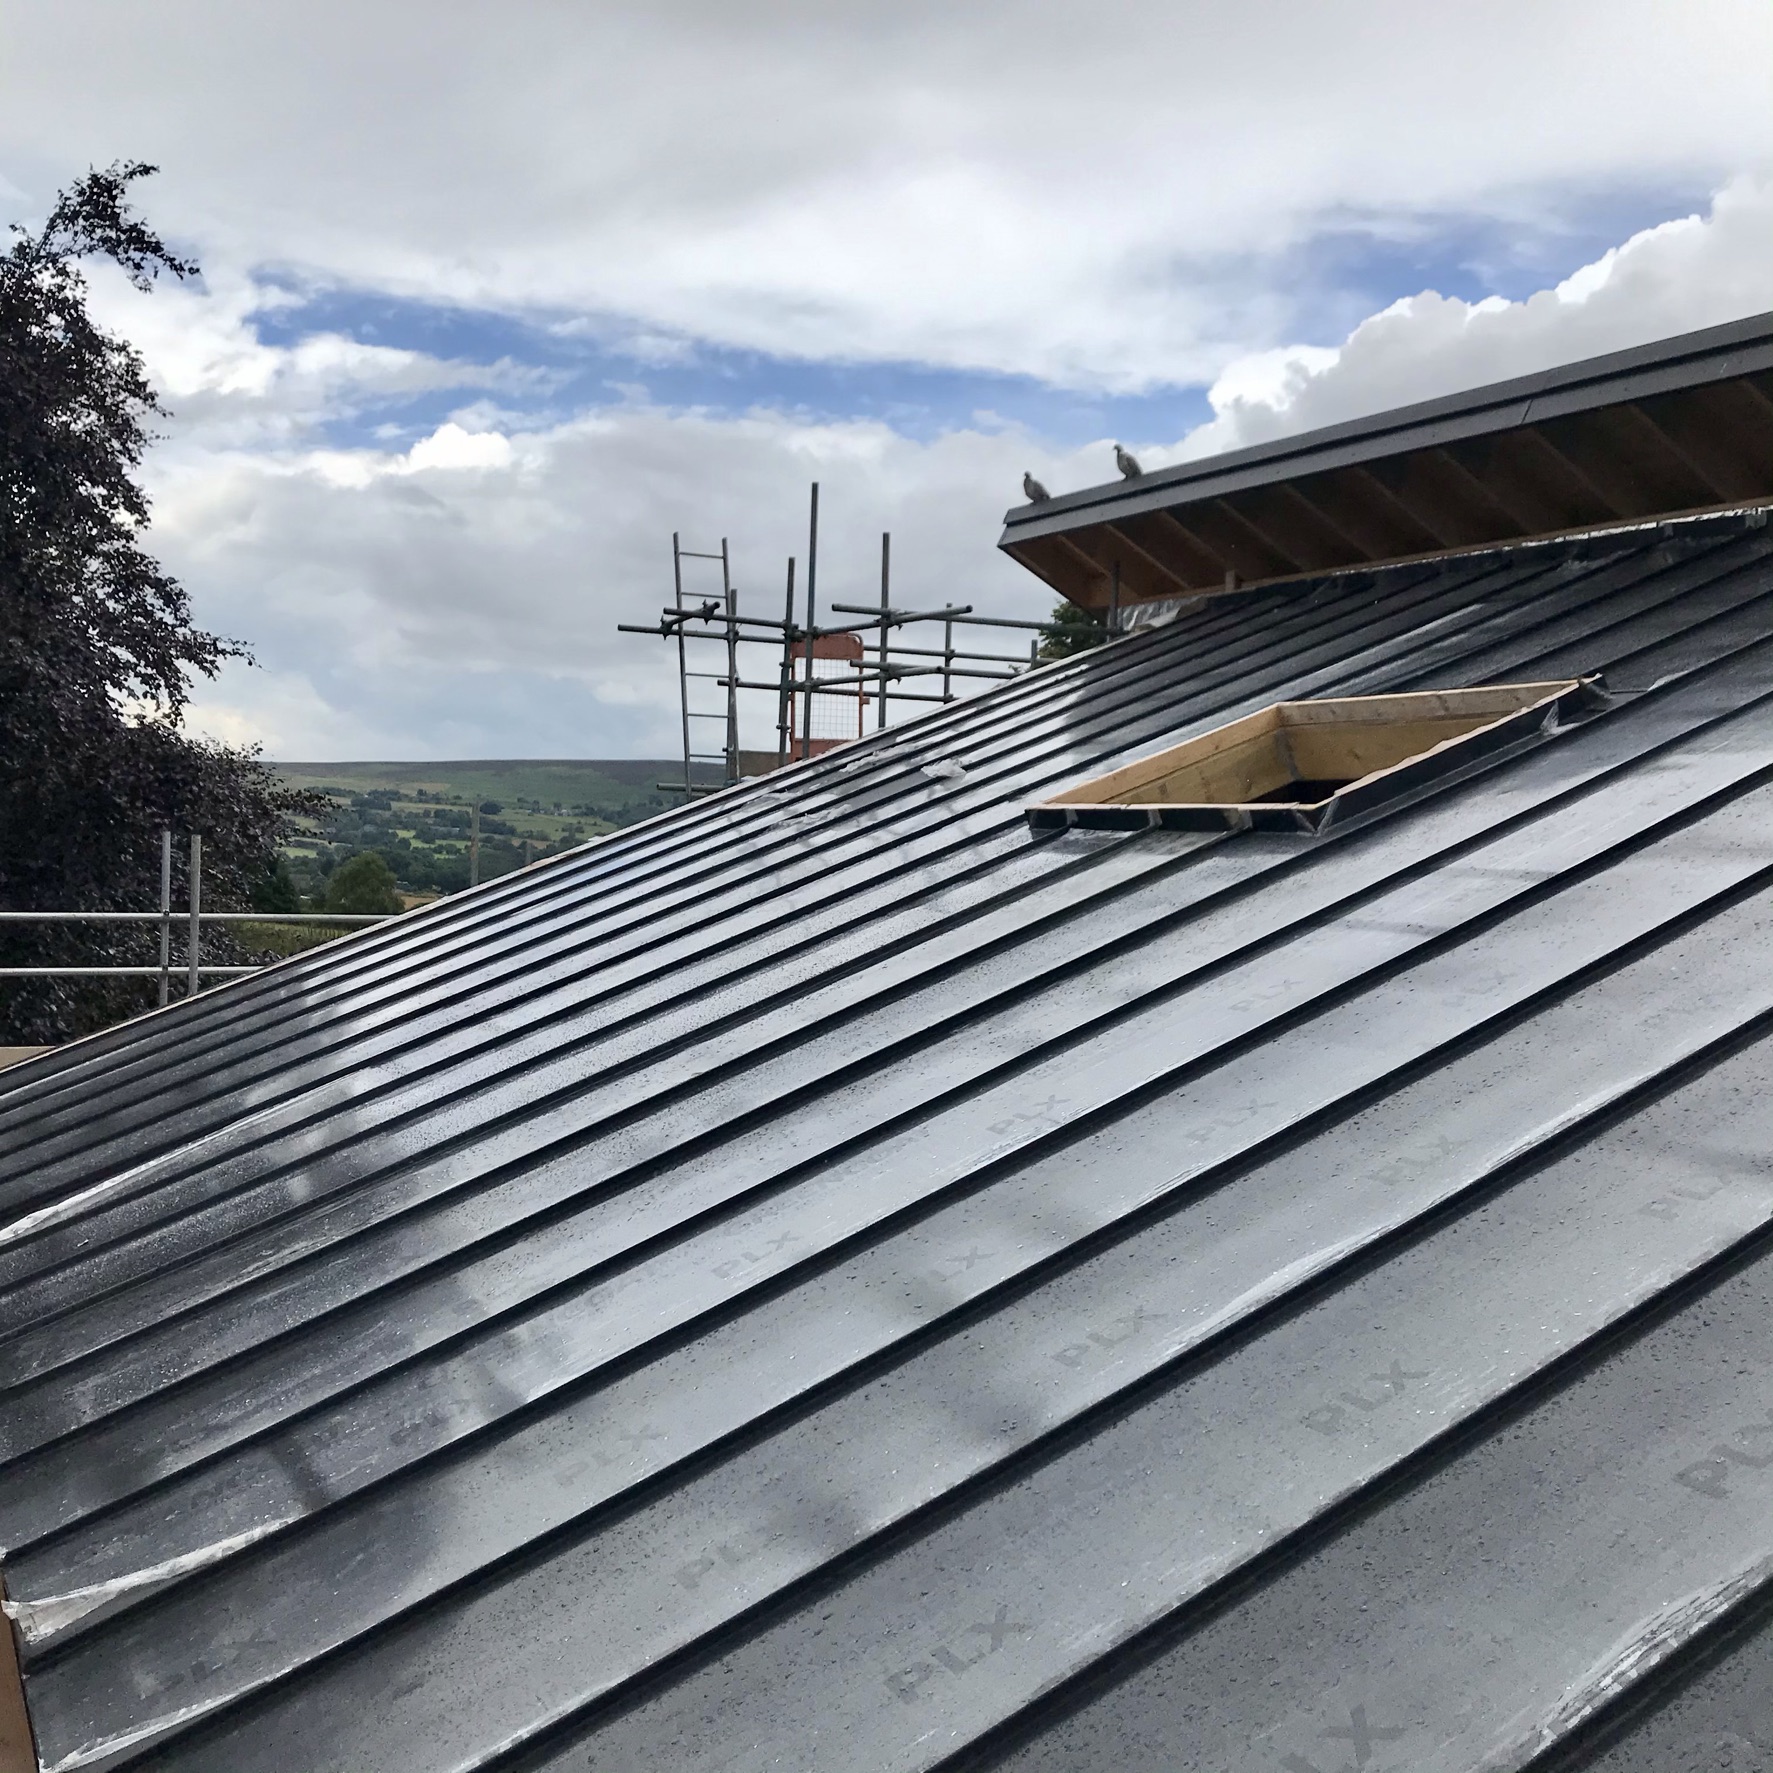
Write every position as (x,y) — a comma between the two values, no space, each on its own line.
(98,650)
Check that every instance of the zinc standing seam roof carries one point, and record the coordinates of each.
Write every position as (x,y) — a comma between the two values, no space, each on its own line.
(830,1279)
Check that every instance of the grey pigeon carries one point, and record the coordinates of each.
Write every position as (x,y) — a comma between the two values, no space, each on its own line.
(1126,463)
(1036,493)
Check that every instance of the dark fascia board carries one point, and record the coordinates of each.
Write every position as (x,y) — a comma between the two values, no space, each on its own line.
(1715,354)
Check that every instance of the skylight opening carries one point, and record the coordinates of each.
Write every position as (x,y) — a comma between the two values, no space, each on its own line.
(1302,766)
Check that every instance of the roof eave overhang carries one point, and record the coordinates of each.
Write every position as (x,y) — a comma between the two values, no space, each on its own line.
(1667,430)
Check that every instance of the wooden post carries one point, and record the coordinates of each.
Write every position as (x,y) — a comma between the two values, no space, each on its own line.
(474,845)
(17,1752)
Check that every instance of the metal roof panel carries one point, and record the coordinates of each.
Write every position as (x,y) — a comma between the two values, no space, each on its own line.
(828,1279)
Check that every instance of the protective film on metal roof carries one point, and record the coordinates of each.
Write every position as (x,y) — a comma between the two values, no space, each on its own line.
(833,1279)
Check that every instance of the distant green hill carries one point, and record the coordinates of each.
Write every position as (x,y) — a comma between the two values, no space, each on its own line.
(546,782)
(417,815)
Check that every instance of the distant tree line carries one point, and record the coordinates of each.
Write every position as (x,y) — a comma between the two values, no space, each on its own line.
(423,839)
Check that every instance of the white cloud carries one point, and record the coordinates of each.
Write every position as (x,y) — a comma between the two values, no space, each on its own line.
(282,712)
(450,446)
(1120,197)
(461,597)
(1094,195)
(1272,379)
(223,380)
(1695,272)
(407,607)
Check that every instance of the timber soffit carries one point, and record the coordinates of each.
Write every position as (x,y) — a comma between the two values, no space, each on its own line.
(829,1280)
(1684,425)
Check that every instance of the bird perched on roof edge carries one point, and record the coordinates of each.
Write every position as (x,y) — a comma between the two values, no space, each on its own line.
(1037,494)
(1128,465)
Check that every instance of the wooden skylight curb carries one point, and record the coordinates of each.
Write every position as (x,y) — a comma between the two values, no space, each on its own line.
(1301,766)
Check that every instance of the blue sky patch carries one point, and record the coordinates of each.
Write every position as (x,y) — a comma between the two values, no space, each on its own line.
(1352,267)
(588,365)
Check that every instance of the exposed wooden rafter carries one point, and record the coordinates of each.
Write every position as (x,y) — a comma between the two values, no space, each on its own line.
(1140,578)
(1243,548)
(1705,427)
(1616,465)
(1639,432)
(1365,509)
(1151,567)
(1293,528)
(1185,556)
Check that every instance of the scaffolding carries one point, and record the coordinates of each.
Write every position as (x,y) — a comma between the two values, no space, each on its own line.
(823,669)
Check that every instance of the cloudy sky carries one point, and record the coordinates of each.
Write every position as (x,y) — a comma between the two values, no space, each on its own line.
(496,297)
